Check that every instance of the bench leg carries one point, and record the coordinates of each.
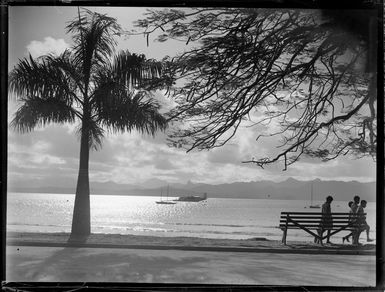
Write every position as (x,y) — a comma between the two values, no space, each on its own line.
(284,236)
(320,233)
(356,236)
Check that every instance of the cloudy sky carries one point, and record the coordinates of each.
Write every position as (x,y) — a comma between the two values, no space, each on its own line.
(50,155)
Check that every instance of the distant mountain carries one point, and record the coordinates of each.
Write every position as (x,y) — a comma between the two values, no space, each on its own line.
(69,187)
(153,183)
(108,187)
(289,189)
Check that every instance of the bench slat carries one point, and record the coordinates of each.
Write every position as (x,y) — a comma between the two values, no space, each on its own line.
(316,221)
(314,226)
(314,213)
(317,226)
(318,217)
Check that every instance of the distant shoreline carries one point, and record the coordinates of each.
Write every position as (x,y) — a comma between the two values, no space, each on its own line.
(289,189)
(368,199)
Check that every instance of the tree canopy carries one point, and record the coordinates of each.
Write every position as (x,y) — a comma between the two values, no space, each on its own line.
(304,71)
(88,84)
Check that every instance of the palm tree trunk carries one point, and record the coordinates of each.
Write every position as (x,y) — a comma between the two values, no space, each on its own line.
(81,225)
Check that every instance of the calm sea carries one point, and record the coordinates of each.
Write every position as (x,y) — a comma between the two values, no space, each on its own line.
(214,218)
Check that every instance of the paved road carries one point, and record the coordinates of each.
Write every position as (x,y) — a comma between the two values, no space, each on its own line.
(61,264)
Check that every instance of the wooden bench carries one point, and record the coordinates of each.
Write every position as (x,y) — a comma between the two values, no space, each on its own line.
(310,223)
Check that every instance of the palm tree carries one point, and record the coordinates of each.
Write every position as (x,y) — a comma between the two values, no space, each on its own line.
(86,84)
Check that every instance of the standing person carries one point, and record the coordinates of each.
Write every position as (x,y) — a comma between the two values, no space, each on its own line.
(364,226)
(354,207)
(326,220)
(351,212)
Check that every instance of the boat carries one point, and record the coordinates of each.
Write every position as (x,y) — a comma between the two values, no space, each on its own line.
(166,202)
(311,200)
(192,198)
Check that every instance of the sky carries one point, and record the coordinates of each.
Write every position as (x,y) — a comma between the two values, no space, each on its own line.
(50,156)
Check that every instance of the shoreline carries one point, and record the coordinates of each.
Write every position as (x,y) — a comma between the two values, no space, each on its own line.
(100,240)
(155,195)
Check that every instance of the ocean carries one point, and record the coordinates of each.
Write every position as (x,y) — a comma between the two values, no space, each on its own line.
(140,215)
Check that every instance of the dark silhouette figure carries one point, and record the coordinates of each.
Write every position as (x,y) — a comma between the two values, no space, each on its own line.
(356,203)
(326,223)
(351,212)
(363,225)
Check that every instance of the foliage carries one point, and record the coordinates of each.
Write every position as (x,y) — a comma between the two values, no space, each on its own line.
(85,83)
(88,85)
(301,71)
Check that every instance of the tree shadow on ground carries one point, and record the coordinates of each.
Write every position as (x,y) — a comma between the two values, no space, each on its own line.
(88,265)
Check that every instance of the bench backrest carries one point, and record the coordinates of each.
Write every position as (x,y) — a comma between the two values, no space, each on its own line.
(311,220)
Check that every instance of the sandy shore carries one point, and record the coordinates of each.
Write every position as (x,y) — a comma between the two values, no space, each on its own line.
(186,243)
(131,258)
(41,257)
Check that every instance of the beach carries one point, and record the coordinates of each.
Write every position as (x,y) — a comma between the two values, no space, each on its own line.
(183,243)
(132,258)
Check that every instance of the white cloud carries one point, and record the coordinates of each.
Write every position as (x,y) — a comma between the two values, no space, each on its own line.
(48,46)
(46,159)
(134,158)
(37,155)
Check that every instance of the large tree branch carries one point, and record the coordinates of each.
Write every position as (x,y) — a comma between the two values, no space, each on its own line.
(308,136)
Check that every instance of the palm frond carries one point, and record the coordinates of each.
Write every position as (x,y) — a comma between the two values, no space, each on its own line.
(120,110)
(43,78)
(94,39)
(117,105)
(36,112)
(45,91)
(135,71)
(69,66)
